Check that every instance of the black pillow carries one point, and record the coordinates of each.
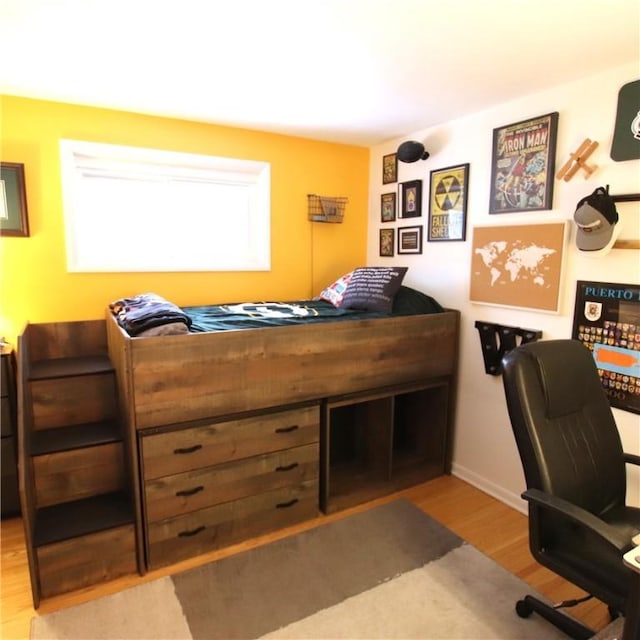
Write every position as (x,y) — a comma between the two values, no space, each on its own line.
(409,302)
(373,288)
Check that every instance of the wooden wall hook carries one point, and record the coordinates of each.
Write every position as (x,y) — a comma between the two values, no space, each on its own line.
(627,243)
(577,160)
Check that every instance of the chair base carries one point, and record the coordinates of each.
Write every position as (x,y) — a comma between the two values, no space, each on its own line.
(573,628)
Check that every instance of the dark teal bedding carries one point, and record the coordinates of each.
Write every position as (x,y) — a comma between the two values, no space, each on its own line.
(244,315)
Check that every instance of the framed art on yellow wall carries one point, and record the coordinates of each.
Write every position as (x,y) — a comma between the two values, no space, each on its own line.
(13,200)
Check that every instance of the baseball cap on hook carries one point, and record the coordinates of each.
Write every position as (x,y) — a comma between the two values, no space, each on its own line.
(596,218)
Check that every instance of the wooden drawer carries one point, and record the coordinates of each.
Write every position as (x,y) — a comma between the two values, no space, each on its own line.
(70,475)
(61,402)
(165,454)
(80,562)
(196,533)
(193,490)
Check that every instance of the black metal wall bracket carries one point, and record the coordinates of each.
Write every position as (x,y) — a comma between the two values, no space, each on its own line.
(497,339)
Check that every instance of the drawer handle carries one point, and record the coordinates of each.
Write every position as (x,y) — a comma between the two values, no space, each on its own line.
(189,492)
(293,427)
(286,505)
(288,467)
(193,532)
(188,449)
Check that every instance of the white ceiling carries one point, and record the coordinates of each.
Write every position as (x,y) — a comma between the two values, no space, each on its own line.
(353,71)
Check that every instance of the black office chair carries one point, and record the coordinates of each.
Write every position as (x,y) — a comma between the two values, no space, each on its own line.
(574,467)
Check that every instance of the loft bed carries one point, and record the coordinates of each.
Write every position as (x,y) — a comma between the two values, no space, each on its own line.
(236,420)
(264,395)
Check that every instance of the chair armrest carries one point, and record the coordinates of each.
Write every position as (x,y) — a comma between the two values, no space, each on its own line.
(580,516)
(631,458)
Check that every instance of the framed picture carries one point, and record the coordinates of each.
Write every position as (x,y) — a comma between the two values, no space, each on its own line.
(606,319)
(523,165)
(410,240)
(518,265)
(411,198)
(387,207)
(390,168)
(387,242)
(624,145)
(13,200)
(448,203)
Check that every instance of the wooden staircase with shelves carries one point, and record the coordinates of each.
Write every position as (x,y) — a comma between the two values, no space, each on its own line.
(75,483)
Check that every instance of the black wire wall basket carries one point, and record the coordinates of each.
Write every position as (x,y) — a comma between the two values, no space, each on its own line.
(326,208)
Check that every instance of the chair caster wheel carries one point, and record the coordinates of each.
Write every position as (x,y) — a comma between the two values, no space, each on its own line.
(523,609)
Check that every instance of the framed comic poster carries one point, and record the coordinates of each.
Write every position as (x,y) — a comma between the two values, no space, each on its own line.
(411,199)
(388,207)
(448,203)
(523,165)
(518,265)
(606,319)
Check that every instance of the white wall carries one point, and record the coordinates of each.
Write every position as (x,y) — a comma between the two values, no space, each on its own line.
(485,452)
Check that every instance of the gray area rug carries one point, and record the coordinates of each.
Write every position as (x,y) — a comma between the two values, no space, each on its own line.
(390,572)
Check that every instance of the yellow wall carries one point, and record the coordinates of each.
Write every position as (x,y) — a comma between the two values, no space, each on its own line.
(34,283)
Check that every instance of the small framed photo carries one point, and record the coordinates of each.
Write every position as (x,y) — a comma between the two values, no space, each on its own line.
(523,165)
(448,203)
(13,200)
(387,207)
(411,198)
(387,242)
(390,168)
(410,239)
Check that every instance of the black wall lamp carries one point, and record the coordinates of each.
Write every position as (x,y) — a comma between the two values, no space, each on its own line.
(412,151)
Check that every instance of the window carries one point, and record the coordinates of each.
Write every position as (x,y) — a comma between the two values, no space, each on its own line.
(133,209)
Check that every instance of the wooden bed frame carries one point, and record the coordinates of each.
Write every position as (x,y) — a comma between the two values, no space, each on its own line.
(168,385)
(174,379)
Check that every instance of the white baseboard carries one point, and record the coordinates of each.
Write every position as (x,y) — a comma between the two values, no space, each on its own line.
(500,493)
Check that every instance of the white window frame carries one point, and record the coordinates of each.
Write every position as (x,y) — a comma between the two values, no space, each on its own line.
(132,242)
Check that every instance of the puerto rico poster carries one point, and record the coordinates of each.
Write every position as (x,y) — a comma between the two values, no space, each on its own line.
(606,319)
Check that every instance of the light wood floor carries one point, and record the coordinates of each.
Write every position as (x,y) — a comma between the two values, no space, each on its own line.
(492,527)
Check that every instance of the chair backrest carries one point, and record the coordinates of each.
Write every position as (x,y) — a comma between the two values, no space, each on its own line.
(565,431)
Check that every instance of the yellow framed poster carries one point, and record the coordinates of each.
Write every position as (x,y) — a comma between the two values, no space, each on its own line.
(448,203)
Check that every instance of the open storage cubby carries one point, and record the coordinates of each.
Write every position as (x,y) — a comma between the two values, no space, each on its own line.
(420,431)
(377,443)
(76,502)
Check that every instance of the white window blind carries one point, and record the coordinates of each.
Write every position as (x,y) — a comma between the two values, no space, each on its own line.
(131,209)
